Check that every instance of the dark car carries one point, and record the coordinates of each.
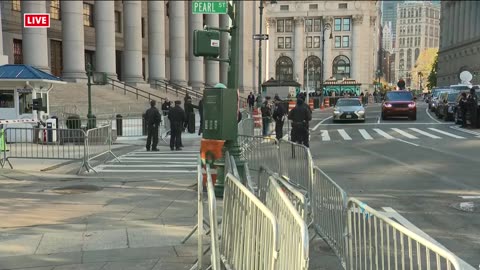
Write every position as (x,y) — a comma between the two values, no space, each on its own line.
(446,105)
(433,99)
(399,103)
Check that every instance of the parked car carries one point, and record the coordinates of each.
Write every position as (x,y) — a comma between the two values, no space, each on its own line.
(399,103)
(446,105)
(348,109)
(432,104)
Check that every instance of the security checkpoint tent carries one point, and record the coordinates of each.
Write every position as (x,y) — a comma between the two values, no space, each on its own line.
(19,85)
(338,87)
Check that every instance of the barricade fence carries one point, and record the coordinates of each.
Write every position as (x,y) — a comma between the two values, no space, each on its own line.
(214,233)
(296,164)
(293,231)
(246,127)
(64,144)
(259,151)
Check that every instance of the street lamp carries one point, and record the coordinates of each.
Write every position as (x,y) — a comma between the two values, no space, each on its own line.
(261,7)
(326,26)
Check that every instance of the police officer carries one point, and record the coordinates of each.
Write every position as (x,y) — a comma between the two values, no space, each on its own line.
(472,105)
(279,116)
(267,111)
(177,119)
(166,106)
(153,120)
(462,104)
(300,117)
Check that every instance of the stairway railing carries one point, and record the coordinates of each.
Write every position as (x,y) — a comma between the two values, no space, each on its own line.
(133,90)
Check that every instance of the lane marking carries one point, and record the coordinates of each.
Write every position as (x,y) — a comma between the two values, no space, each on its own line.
(165,152)
(365,134)
(344,134)
(446,133)
(469,197)
(155,158)
(146,166)
(321,122)
(383,133)
(194,171)
(378,120)
(425,133)
(465,130)
(407,142)
(143,161)
(426,110)
(404,133)
(384,124)
(325,135)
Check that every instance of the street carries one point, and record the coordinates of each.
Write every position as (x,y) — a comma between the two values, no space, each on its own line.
(426,170)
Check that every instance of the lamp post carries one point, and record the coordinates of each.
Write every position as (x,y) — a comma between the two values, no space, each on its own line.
(260,51)
(91,118)
(326,26)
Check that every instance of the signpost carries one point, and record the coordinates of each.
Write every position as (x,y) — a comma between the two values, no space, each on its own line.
(209,7)
(260,37)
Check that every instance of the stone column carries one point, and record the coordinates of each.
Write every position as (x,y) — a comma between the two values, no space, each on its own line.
(224,37)
(132,33)
(451,24)
(477,19)
(196,66)
(355,63)
(471,22)
(272,60)
(458,17)
(73,41)
(462,24)
(156,40)
(35,42)
(298,62)
(3,57)
(177,42)
(212,68)
(105,57)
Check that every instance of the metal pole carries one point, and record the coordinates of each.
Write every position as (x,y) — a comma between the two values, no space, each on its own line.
(89,86)
(260,51)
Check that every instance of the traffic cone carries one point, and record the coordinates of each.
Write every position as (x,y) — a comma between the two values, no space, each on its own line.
(3,145)
(323,106)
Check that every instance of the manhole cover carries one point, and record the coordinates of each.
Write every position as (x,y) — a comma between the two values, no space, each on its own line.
(74,189)
(471,207)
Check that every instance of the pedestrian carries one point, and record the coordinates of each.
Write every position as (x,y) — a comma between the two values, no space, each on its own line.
(279,116)
(401,85)
(166,106)
(267,111)
(300,117)
(472,105)
(251,101)
(462,104)
(200,111)
(177,119)
(190,115)
(152,120)
(186,98)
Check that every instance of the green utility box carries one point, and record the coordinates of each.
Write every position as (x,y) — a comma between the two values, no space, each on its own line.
(206,43)
(220,114)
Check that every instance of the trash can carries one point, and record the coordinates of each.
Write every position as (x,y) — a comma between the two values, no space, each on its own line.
(119,119)
(144,126)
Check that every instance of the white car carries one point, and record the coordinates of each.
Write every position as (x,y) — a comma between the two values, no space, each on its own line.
(348,109)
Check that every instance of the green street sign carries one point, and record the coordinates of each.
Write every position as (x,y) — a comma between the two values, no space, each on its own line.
(209,7)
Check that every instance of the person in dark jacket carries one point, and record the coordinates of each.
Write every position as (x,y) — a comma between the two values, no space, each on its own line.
(251,101)
(267,111)
(401,84)
(152,120)
(177,119)
(462,104)
(279,117)
(166,106)
(300,117)
(472,107)
(186,98)
(200,111)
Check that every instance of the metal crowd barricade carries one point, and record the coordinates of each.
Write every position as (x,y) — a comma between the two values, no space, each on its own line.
(249,230)
(43,143)
(260,151)
(328,205)
(293,231)
(98,143)
(375,241)
(212,210)
(246,127)
(296,164)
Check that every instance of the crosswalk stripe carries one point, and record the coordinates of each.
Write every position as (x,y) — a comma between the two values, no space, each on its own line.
(425,133)
(325,135)
(146,171)
(147,166)
(383,133)
(344,134)
(155,158)
(406,134)
(447,133)
(365,134)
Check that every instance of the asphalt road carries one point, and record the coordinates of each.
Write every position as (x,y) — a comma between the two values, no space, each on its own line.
(422,169)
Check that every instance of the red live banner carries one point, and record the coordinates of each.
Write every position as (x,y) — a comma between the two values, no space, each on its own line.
(36,20)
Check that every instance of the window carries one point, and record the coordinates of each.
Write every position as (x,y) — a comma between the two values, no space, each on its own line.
(16,6)
(309,42)
(338,24)
(88,14)
(284,69)
(312,67)
(341,67)
(25,101)
(118,22)
(316,42)
(308,25)
(338,41)
(143,27)
(288,25)
(55,9)
(284,7)
(143,68)
(346,41)
(280,26)
(17,52)
(317,25)
(56,64)
(346,24)
(90,59)
(288,43)
(6,99)
(342,6)
(313,6)
(280,42)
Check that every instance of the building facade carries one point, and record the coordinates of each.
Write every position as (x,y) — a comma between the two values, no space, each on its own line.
(312,41)
(389,15)
(387,37)
(418,28)
(460,42)
(134,41)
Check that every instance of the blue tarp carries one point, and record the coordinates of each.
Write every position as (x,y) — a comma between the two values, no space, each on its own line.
(25,72)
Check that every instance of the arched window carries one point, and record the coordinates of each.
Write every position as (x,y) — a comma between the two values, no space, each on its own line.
(409,59)
(417,53)
(402,54)
(313,68)
(284,69)
(341,67)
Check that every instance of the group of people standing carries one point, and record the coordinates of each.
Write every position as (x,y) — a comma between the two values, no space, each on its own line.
(468,105)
